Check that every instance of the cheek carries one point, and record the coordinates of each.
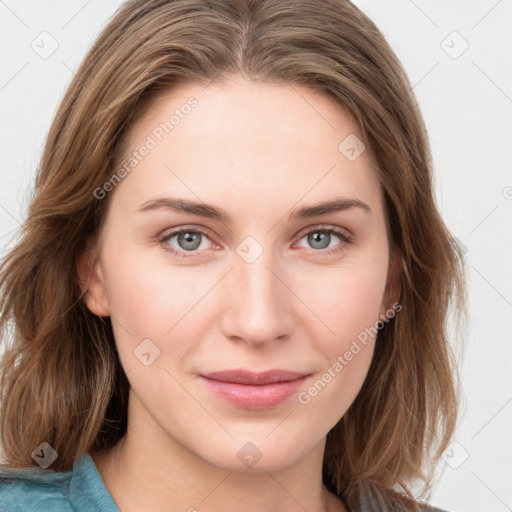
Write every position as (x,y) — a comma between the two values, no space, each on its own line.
(348,299)
(156,297)
(351,310)
(152,300)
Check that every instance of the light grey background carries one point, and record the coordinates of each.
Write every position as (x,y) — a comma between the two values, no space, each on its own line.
(466,98)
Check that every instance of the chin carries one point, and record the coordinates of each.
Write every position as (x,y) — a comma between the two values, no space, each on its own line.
(254,453)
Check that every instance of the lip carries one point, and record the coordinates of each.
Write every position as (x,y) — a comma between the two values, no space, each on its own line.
(255,391)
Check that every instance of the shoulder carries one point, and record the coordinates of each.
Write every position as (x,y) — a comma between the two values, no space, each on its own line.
(34,489)
(43,490)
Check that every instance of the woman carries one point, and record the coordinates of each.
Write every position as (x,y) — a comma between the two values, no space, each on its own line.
(233,282)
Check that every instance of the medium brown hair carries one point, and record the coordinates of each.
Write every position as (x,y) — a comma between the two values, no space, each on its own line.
(61,380)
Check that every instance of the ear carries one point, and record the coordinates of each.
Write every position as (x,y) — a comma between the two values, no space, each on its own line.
(92,284)
(393,284)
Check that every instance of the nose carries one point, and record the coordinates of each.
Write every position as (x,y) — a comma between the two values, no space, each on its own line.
(258,303)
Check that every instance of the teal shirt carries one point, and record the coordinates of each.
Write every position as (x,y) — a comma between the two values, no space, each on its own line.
(78,490)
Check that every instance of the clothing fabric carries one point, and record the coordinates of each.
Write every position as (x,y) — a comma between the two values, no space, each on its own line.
(35,489)
(78,490)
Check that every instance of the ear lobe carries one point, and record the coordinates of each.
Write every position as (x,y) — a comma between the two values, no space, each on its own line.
(92,284)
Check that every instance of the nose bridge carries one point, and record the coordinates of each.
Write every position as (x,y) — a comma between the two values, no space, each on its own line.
(257,282)
(257,298)
(253,267)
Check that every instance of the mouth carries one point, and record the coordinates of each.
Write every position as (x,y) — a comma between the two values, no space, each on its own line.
(254,391)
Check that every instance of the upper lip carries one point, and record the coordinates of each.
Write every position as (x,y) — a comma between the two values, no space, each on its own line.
(247,377)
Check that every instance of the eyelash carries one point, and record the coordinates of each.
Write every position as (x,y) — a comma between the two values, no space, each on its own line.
(345,238)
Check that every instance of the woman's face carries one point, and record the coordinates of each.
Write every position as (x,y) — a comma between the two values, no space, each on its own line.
(255,285)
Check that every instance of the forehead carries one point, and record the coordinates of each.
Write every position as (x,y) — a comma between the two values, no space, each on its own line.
(248,141)
(244,108)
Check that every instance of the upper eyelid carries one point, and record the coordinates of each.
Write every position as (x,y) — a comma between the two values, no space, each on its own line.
(175,231)
(303,232)
(322,227)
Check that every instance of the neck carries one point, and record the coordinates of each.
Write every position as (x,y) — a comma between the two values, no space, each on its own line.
(150,470)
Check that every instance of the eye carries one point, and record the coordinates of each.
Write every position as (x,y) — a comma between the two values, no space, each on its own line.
(187,240)
(191,240)
(321,238)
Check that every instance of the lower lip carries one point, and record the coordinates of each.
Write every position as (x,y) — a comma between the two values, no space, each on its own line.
(254,397)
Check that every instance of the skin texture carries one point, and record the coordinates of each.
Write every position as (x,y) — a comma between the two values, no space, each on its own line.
(259,151)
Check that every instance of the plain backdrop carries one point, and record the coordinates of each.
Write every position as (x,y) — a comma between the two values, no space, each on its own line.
(458,56)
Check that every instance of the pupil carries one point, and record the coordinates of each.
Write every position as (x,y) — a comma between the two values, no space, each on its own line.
(317,238)
(189,242)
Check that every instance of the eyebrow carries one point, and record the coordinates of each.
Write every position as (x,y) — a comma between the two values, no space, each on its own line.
(217,213)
